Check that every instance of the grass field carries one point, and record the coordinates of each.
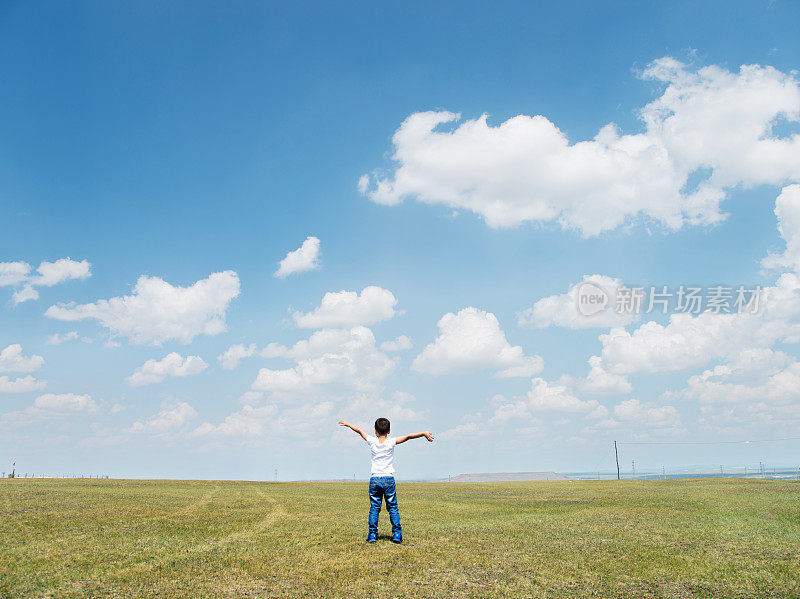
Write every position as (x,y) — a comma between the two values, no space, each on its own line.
(692,538)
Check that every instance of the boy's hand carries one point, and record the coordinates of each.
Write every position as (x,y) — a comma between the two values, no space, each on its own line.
(344,423)
(428,436)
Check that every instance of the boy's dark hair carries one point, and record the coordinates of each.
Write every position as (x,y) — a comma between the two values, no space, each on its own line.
(382,426)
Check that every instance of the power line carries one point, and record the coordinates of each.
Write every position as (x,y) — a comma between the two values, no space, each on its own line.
(707,442)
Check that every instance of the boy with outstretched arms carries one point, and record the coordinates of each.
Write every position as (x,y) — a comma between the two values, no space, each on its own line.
(381,482)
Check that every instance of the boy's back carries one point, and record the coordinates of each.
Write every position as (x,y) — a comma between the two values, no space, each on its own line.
(382,455)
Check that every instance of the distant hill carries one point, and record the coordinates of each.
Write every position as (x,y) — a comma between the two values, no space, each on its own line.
(489,477)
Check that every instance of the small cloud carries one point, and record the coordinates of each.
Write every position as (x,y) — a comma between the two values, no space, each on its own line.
(24,294)
(12,360)
(400,344)
(349,309)
(20,385)
(13,273)
(62,403)
(304,258)
(275,350)
(231,356)
(155,371)
(65,269)
(170,419)
(58,338)
(47,274)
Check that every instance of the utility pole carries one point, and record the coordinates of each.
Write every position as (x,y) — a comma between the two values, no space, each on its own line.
(616,455)
(276,475)
(633,467)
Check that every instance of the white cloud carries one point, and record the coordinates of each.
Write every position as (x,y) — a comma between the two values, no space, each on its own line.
(265,424)
(250,397)
(231,356)
(716,119)
(739,419)
(546,407)
(304,258)
(528,366)
(330,358)
(562,310)
(787,209)
(599,380)
(157,311)
(59,338)
(692,341)
(20,385)
(543,397)
(12,360)
(467,430)
(396,409)
(472,340)
(53,403)
(753,376)
(400,344)
(363,184)
(13,273)
(349,308)
(639,420)
(647,415)
(47,275)
(250,421)
(685,342)
(274,350)
(709,121)
(50,406)
(155,371)
(24,294)
(755,390)
(65,269)
(547,397)
(172,418)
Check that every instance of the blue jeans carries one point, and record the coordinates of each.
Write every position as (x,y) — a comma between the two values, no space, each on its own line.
(382,487)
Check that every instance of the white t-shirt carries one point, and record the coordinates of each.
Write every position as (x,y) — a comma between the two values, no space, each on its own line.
(382,456)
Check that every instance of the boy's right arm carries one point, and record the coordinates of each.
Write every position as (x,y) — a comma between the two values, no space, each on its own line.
(354,428)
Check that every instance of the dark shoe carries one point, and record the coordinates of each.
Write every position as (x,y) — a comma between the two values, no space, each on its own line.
(372,537)
(398,538)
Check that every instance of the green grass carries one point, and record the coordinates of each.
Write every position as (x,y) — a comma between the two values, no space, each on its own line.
(693,538)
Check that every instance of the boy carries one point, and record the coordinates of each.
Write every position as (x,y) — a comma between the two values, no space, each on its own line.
(381,482)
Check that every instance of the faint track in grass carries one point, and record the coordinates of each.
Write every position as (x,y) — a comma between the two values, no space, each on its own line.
(249,529)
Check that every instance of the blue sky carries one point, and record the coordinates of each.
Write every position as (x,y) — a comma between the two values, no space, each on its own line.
(184,140)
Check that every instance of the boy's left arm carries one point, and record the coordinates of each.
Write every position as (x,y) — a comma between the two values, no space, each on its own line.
(404,438)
